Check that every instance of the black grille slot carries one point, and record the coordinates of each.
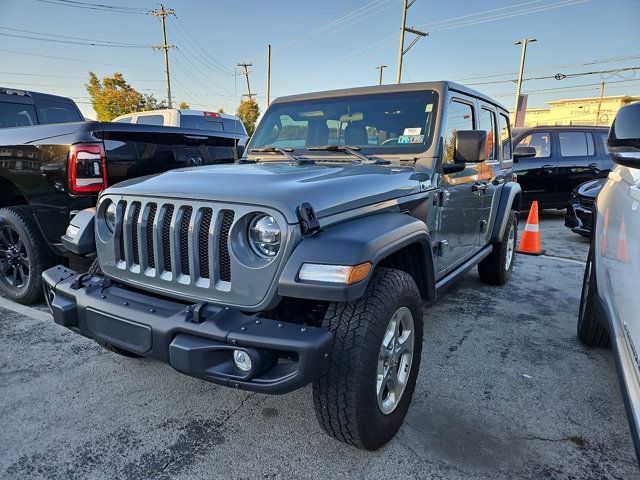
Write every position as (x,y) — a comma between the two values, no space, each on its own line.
(134,233)
(223,252)
(166,238)
(203,242)
(149,233)
(184,240)
(121,222)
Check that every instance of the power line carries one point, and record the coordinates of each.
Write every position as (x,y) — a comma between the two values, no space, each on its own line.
(562,76)
(119,44)
(81,60)
(96,6)
(54,40)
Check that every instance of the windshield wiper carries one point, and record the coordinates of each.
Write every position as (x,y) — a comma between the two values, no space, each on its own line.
(282,151)
(351,150)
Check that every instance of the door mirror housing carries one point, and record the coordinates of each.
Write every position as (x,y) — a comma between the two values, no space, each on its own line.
(624,136)
(470,146)
(523,151)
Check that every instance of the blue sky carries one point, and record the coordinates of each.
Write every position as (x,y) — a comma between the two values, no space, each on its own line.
(321,45)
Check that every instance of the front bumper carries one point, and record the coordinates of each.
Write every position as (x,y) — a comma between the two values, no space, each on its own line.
(578,218)
(197,340)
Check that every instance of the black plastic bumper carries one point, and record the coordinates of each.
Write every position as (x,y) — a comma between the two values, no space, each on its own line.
(197,340)
(578,219)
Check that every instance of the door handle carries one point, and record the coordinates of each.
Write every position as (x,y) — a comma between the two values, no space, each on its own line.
(479,187)
(549,166)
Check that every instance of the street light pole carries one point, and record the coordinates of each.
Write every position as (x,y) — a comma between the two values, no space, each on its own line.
(380,67)
(524,42)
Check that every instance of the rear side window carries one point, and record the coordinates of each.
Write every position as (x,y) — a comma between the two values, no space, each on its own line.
(459,117)
(17,115)
(505,138)
(50,111)
(488,124)
(541,141)
(576,144)
(150,120)
(124,120)
(233,126)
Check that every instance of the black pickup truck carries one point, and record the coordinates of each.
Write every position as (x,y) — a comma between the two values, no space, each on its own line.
(51,170)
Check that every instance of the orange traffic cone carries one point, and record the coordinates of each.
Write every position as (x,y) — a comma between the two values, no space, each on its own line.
(530,242)
(622,253)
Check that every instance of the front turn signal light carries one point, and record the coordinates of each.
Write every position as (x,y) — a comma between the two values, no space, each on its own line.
(344,274)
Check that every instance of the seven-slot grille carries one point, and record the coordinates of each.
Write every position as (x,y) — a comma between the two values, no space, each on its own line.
(177,240)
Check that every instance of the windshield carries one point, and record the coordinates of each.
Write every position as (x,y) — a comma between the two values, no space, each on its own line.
(379,123)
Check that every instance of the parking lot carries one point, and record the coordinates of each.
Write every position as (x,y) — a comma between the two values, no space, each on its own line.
(505,391)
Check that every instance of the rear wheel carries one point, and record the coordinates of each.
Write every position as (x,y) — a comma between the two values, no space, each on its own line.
(590,328)
(364,396)
(496,268)
(24,255)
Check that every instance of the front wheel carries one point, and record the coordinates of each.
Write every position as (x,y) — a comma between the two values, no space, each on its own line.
(496,268)
(365,394)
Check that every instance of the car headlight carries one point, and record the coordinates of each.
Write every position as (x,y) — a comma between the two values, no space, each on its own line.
(265,235)
(110,216)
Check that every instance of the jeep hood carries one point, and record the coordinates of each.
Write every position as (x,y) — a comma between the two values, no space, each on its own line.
(329,188)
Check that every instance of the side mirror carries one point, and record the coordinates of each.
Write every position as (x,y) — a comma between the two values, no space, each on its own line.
(624,136)
(470,146)
(523,151)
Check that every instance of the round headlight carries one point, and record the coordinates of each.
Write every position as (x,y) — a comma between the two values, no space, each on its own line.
(265,235)
(110,216)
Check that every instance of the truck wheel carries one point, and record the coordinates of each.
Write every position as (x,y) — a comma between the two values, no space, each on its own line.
(590,328)
(23,256)
(496,268)
(364,396)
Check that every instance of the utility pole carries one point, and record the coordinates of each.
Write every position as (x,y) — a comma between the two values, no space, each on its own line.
(403,51)
(380,67)
(600,102)
(268,99)
(246,74)
(162,14)
(524,43)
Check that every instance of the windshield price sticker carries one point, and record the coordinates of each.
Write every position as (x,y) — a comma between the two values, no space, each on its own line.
(413,131)
(410,139)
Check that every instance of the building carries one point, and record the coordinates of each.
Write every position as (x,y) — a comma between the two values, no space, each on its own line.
(578,111)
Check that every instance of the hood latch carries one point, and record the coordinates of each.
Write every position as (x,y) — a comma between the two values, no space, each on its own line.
(309,223)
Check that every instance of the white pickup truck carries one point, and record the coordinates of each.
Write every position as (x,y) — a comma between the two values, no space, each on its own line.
(196,119)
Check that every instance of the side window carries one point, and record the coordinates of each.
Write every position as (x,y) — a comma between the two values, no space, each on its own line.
(488,124)
(541,141)
(124,120)
(576,144)
(50,111)
(505,138)
(17,115)
(150,120)
(459,117)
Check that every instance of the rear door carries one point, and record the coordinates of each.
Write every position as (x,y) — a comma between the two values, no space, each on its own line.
(537,175)
(577,162)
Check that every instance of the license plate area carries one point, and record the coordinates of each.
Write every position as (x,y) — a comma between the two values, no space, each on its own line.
(120,332)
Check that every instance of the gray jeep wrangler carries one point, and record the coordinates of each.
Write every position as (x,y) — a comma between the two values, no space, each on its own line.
(310,258)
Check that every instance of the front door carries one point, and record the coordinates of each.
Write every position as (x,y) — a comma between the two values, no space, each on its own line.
(537,175)
(459,199)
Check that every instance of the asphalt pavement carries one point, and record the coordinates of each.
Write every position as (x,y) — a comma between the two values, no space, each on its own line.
(505,390)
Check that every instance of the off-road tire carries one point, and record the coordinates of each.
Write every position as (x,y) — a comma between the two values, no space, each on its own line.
(345,398)
(590,319)
(95,269)
(493,269)
(38,254)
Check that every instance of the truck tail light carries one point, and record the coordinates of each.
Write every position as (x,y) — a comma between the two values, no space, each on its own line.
(87,168)
(212,114)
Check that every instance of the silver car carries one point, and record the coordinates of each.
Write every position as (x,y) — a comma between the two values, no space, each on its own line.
(610,304)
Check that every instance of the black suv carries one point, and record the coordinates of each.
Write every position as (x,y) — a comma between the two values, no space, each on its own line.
(565,158)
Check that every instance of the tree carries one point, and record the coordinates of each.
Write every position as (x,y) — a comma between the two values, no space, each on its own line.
(113,96)
(183,106)
(221,110)
(248,111)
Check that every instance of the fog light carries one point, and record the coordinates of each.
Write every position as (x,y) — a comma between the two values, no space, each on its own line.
(242,360)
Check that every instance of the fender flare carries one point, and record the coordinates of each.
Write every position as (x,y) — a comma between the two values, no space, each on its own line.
(365,239)
(510,199)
